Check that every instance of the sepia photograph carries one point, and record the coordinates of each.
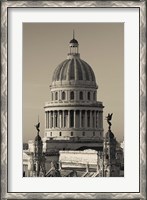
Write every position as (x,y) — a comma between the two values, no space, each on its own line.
(73,97)
(73,100)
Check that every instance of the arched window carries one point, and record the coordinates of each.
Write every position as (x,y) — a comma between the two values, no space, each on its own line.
(81,95)
(72,95)
(63,95)
(88,95)
(56,96)
(60,134)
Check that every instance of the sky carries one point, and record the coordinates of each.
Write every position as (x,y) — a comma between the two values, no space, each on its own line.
(46,45)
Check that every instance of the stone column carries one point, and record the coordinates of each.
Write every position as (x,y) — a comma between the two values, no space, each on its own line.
(80,118)
(91,119)
(56,119)
(63,114)
(75,124)
(96,119)
(49,119)
(60,121)
(101,119)
(53,119)
(85,118)
(68,119)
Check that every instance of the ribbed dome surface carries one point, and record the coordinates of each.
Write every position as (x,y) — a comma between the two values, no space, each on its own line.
(73,69)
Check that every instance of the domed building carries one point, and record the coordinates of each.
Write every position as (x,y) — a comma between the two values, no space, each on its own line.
(74,117)
(73,143)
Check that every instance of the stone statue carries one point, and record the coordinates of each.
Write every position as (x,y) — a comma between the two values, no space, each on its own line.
(37,126)
(109,118)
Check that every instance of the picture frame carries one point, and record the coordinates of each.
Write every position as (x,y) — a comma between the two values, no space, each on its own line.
(5,118)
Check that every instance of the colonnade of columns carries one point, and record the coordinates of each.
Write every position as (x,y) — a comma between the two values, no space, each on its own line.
(73,119)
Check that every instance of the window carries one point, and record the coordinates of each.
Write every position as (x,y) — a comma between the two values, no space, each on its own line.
(63,95)
(60,134)
(88,95)
(50,133)
(81,95)
(72,95)
(93,133)
(56,96)
(71,134)
(83,133)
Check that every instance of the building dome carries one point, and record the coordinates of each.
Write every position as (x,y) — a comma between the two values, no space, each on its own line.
(74,114)
(73,69)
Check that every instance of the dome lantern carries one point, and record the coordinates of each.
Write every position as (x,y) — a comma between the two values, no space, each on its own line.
(73,45)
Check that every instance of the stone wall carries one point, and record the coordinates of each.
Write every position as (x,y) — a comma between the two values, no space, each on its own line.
(79,157)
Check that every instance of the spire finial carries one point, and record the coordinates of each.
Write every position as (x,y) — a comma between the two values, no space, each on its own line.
(73,34)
